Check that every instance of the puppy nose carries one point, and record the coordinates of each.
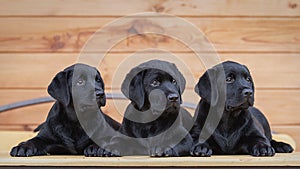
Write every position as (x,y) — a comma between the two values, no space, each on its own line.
(99,93)
(247,92)
(173,97)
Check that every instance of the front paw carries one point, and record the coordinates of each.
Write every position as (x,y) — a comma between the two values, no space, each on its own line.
(201,150)
(281,147)
(91,151)
(262,149)
(24,149)
(110,153)
(163,152)
(96,151)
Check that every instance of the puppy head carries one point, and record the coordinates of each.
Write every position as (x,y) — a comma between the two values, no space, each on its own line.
(137,84)
(240,86)
(238,81)
(79,85)
(152,87)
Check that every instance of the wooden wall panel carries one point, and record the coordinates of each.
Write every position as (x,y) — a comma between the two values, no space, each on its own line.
(65,34)
(37,70)
(176,7)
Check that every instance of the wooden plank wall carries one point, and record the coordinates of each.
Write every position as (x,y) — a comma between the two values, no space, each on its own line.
(40,38)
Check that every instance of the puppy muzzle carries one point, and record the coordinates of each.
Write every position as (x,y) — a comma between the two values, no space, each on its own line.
(242,106)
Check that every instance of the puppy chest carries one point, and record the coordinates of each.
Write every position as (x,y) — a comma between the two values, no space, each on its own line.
(227,141)
(149,131)
(79,137)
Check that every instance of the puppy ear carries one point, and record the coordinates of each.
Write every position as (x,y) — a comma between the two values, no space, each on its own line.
(207,86)
(136,90)
(59,88)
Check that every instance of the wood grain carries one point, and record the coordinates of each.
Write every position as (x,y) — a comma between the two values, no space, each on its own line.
(176,7)
(65,34)
(280,160)
(18,127)
(22,70)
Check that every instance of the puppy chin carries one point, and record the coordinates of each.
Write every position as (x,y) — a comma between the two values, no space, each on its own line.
(242,106)
(87,108)
(101,102)
(173,106)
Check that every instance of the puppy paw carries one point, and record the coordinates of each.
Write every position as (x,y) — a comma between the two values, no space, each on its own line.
(201,150)
(91,151)
(262,149)
(96,151)
(281,147)
(163,152)
(24,149)
(112,153)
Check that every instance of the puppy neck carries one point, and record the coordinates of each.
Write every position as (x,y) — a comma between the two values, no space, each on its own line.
(149,115)
(144,108)
(225,113)
(232,114)
(68,113)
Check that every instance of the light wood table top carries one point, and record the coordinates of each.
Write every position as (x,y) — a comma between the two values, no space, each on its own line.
(292,159)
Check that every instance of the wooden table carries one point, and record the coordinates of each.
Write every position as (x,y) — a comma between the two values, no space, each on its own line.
(11,138)
(279,160)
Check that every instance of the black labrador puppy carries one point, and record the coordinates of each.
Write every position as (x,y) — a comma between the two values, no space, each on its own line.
(234,126)
(79,93)
(154,123)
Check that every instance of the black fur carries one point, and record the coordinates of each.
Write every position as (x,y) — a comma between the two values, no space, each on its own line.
(76,94)
(241,128)
(145,106)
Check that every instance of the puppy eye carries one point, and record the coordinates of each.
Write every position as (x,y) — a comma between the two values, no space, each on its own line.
(229,79)
(98,79)
(248,79)
(155,83)
(174,82)
(80,82)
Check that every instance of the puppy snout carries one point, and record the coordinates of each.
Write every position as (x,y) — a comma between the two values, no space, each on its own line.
(99,93)
(173,97)
(247,92)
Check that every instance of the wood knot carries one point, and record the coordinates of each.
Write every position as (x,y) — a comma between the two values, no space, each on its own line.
(56,38)
(56,42)
(293,5)
(158,8)
(57,45)
(140,27)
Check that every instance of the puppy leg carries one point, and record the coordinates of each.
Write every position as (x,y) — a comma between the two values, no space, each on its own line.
(163,151)
(33,147)
(94,150)
(91,150)
(172,149)
(256,143)
(261,149)
(201,150)
(281,147)
(183,148)
(116,147)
